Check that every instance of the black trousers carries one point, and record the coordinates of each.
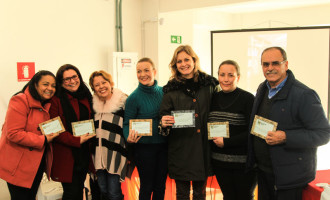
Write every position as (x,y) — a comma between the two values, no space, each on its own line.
(21,193)
(267,191)
(183,190)
(151,163)
(74,190)
(236,184)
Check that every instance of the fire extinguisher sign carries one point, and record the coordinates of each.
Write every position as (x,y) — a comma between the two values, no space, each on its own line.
(25,71)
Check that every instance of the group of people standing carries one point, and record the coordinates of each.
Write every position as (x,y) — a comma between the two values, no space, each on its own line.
(282,164)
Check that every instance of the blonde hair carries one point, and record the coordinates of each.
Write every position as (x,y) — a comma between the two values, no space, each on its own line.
(174,70)
(146,59)
(102,73)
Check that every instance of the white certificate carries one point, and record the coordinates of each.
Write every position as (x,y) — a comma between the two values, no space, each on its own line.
(218,129)
(142,126)
(261,126)
(83,127)
(183,118)
(52,126)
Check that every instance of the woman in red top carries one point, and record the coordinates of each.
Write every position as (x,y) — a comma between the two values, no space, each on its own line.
(72,157)
(25,153)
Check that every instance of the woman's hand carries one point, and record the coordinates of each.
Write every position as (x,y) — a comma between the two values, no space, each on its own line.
(85,137)
(218,141)
(51,136)
(167,120)
(133,137)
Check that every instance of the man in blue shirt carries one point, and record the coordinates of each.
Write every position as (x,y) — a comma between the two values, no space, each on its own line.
(286,159)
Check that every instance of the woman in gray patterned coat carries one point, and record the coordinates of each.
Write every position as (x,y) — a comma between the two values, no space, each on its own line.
(110,153)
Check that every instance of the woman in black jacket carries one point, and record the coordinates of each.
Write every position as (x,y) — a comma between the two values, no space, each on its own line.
(228,155)
(188,152)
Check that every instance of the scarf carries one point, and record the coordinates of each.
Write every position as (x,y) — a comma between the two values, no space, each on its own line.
(80,155)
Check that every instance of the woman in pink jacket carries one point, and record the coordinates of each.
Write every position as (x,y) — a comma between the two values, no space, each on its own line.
(25,153)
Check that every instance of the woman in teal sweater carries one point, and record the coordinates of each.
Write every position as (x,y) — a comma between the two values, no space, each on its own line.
(150,152)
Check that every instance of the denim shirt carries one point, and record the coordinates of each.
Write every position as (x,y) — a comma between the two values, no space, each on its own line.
(273,91)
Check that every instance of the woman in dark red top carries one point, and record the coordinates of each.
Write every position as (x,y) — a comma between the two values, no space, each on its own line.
(71,153)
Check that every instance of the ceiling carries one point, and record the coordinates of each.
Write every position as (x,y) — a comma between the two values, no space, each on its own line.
(235,6)
(264,5)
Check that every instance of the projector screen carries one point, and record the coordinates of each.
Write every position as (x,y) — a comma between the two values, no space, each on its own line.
(308,57)
(307,50)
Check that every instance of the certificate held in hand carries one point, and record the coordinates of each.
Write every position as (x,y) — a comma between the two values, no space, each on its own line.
(183,118)
(52,126)
(142,126)
(261,126)
(218,129)
(82,127)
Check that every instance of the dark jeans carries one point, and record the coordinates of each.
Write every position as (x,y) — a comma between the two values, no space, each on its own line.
(151,163)
(109,184)
(235,184)
(21,193)
(74,190)
(183,190)
(266,189)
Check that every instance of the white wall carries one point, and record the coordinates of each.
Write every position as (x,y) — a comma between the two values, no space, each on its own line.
(132,15)
(149,30)
(55,32)
(175,23)
(194,27)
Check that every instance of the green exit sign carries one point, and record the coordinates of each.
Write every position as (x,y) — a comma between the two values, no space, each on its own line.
(176,39)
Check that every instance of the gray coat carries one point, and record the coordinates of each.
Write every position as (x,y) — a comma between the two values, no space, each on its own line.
(299,113)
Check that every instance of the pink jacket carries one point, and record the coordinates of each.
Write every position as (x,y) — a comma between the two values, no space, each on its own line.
(22,143)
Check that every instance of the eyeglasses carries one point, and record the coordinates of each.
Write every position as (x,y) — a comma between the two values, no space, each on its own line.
(67,80)
(274,63)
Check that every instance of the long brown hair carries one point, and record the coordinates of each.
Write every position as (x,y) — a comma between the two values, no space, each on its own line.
(174,70)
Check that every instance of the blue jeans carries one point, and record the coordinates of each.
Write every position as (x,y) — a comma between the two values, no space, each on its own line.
(151,163)
(110,185)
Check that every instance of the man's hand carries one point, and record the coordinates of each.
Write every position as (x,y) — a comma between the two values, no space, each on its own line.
(275,137)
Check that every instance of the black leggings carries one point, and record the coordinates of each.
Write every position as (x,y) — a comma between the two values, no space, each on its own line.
(236,184)
(74,190)
(151,163)
(183,190)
